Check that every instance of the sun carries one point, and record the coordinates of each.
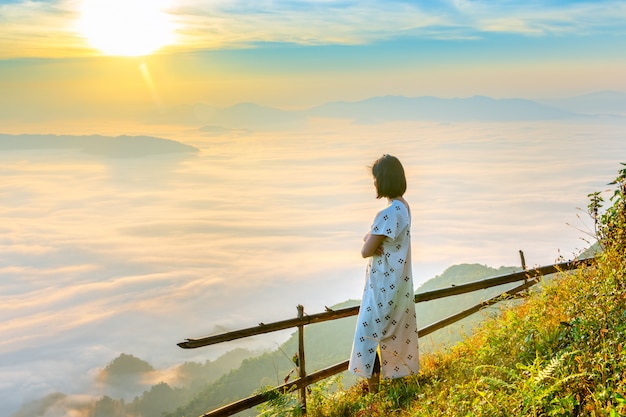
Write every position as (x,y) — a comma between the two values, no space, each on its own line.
(126,27)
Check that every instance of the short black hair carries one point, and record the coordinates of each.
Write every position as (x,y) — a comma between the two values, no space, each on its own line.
(390,178)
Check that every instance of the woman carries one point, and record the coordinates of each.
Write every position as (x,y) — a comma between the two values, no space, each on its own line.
(385,340)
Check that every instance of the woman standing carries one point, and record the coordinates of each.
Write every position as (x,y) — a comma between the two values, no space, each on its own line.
(385,340)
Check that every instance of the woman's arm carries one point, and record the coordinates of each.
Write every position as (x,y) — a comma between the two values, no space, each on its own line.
(372,245)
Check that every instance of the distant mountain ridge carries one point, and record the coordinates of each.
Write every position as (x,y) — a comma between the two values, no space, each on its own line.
(107,146)
(601,103)
(425,108)
(391,108)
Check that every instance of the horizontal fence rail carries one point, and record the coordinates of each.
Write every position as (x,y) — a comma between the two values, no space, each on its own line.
(263,328)
(530,278)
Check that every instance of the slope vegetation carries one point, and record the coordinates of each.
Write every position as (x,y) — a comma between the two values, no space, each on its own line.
(561,352)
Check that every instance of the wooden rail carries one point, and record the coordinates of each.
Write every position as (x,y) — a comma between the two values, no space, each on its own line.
(530,278)
(263,328)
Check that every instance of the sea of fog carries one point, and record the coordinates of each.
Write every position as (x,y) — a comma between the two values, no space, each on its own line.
(101,256)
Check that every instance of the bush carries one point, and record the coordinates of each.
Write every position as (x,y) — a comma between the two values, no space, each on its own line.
(611,225)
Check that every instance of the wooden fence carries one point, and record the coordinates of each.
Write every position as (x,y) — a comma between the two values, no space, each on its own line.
(529,277)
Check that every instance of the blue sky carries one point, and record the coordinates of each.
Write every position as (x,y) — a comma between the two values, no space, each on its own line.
(304,53)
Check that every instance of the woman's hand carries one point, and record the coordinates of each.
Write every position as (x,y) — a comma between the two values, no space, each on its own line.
(373,245)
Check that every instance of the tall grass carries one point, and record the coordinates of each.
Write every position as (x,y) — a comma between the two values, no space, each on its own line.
(560,352)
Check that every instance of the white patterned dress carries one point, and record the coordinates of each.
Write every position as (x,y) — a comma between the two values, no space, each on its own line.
(387,320)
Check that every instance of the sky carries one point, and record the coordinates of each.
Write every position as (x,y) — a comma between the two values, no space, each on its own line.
(101,256)
(59,63)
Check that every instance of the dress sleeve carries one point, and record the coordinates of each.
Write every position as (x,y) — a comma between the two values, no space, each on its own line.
(388,222)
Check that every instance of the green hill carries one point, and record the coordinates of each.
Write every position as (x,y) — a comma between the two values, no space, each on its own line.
(127,364)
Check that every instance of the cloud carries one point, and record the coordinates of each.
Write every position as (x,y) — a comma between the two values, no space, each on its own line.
(101,256)
(234,24)
(39,29)
(547,18)
(59,405)
(357,22)
(237,24)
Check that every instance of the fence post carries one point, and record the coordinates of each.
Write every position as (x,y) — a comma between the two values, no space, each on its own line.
(521,255)
(523,260)
(301,367)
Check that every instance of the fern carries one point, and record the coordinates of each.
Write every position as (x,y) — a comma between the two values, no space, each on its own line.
(547,372)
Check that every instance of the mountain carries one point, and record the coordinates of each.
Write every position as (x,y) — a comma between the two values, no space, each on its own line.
(377,110)
(477,108)
(104,146)
(434,310)
(126,377)
(127,365)
(250,116)
(246,116)
(602,103)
